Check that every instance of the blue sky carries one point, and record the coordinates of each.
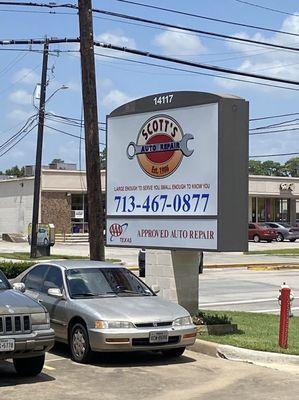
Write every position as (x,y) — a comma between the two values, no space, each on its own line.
(121,81)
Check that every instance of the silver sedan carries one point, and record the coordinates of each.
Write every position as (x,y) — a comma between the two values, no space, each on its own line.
(95,306)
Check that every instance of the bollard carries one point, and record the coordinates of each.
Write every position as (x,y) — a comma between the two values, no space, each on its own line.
(285,304)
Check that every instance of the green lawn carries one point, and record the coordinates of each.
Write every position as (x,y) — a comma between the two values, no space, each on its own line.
(26,257)
(278,252)
(257,332)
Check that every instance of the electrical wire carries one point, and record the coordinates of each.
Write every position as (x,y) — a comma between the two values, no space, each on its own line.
(18,141)
(194,72)
(193,15)
(274,116)
(266,8)
(273,155)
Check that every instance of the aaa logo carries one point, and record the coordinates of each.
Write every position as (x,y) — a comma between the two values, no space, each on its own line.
(160,147)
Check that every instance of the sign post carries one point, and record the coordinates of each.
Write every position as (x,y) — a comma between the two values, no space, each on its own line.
(181,177)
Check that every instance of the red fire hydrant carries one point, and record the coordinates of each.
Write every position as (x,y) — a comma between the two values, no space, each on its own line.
(285,298)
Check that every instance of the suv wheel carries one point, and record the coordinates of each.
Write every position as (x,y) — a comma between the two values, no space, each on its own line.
(280,237)
(256,238)
(30,366)
(172,353)
(79,344)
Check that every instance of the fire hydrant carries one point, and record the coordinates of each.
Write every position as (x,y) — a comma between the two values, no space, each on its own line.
(285,299)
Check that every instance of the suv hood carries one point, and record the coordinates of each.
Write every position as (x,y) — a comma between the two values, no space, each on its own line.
(13,302)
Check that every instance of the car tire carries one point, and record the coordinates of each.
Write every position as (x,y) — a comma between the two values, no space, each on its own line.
(30,366)
(79,344)
(280,237)
(256,238)
(173,353)
(292,240)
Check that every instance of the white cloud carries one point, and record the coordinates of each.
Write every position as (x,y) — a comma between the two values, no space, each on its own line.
(19,115)
(178,42)
(117,38)
(20,97)
(115,98)
(268,61)
(26,76)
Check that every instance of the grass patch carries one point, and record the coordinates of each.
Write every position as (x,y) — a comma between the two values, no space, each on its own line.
(257,332)
(278,252)
(26,257)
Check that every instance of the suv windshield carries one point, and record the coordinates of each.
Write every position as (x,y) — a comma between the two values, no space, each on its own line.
(101,282)
(4,284)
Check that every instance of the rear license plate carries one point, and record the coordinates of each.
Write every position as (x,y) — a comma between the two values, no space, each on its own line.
(158,337)
(7,344)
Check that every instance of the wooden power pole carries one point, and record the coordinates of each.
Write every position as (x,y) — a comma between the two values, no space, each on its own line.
(39,151)
(92,151)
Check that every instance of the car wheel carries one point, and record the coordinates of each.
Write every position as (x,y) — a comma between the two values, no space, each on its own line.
(79,344)
(30,366)
(172,353)
(292,240)
(280,237)
(256,238)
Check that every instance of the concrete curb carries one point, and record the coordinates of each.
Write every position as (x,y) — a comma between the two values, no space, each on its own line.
(232,353)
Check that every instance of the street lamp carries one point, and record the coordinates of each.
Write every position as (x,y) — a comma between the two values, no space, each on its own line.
(37,91)
(63,87)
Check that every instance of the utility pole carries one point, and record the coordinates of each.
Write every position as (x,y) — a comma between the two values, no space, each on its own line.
(39,150)
(93,176)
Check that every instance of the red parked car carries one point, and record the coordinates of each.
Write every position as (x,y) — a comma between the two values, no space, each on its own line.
(257,232)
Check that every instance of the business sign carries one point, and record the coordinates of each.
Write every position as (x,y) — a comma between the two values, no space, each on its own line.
(79,214)
(164,166)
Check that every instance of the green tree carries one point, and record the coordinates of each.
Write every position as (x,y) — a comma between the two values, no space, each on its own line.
(57,160)
(15,171)
(292,166)
(103,159)
(273,168)
(256,167)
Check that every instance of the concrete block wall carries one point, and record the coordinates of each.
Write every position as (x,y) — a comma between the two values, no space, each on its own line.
(176,272)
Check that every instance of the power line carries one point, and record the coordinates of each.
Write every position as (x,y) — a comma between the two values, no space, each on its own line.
(23,129)
(14,145)
(193,64)
(71,134)
(266,8)
(193,15)
(130,17)
(273,155)
(193,30)
(274,116)
(195,72)
(278,124)
(276,131)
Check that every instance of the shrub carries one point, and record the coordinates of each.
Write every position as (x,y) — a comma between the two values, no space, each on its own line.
(202,318)
(13,269)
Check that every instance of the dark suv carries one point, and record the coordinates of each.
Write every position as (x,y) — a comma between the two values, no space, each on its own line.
(25,333)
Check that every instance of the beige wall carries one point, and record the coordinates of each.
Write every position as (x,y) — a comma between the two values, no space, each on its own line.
(264,186)
(66,181)
(16,202)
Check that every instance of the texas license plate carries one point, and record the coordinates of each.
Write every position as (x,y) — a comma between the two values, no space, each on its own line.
(158,337)
(7,344)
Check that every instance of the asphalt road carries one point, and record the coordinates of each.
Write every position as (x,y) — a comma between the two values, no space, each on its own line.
(240,289)
(149,376)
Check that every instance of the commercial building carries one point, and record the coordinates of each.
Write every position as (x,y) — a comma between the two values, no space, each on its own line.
(63,200)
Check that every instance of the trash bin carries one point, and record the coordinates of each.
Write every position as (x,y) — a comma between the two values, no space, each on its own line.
(141,263)
(76,229)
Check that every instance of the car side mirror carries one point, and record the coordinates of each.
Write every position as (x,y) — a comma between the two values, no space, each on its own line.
(19,286)
(155,288)
(55,292)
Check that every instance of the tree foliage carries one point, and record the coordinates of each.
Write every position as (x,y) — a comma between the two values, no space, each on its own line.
(273,168)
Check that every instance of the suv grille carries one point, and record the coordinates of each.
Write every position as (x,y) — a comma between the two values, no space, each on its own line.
(15,324)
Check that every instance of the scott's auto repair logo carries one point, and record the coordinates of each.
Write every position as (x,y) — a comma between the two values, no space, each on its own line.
(160,146)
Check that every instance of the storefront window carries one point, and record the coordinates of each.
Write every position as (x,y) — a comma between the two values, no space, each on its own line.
(271,209)
(253,208)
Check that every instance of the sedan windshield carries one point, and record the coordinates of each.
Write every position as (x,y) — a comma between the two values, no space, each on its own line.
(101,282)
(4,284)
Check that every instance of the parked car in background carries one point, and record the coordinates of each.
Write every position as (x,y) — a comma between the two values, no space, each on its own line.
(258,232)
(284,231)
(95,306)
(25,333)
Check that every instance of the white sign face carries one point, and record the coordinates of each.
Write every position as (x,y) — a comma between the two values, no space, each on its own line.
(170,233)
(79,214)
(163,163)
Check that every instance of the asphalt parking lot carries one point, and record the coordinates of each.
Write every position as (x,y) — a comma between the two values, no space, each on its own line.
(148,376)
